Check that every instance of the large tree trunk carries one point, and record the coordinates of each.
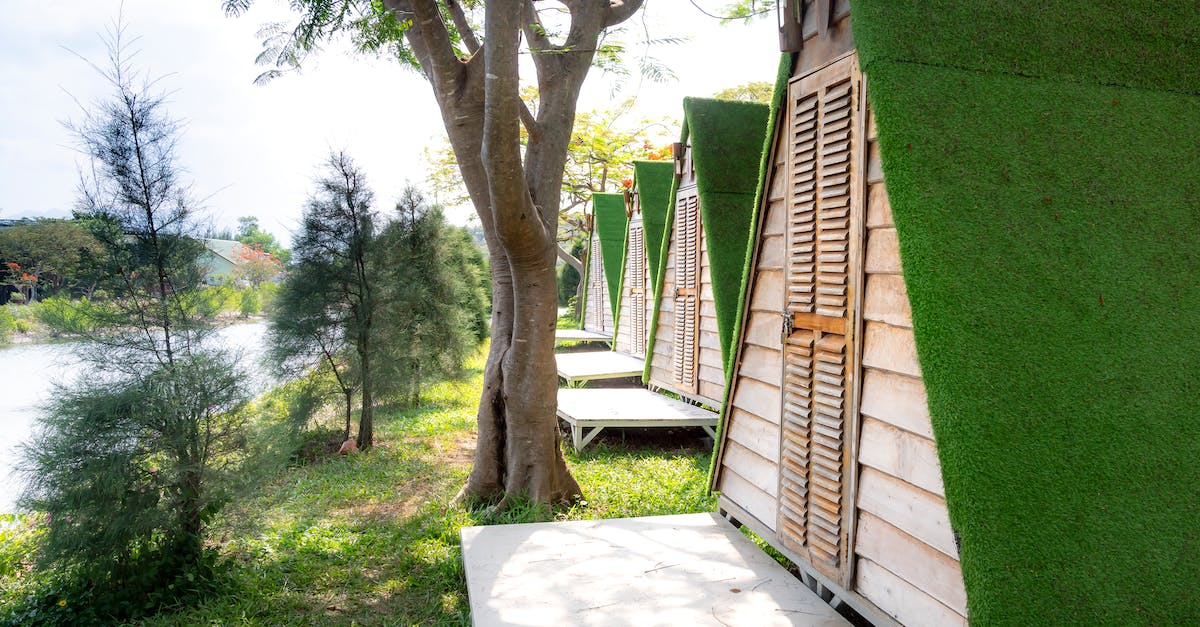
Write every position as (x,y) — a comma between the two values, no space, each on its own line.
(518,454)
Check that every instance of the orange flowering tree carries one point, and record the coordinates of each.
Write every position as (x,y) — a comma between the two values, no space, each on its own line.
(255,265)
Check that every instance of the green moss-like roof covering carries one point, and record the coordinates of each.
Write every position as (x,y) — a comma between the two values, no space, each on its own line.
(609,211)
(782,74)
(1043,169)
(727,139)
(654,180)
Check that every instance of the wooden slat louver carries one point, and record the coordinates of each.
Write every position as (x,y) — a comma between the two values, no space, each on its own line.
(597,294)
(823,231)
(687,290)
(635,273)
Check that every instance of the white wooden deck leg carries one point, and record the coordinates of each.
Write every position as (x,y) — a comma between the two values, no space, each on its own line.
(576,436)
(709,430)
(588,438)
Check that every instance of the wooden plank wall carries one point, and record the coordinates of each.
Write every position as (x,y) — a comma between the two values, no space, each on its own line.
(750,457)
(907,562)
(711,374)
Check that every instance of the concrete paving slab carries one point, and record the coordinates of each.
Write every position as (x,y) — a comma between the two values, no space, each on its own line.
(691,569)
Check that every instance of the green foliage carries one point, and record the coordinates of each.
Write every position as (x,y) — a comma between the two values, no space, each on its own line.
(754,91)
(129,462)
(326,307)
(67,318)
(251,234)
(432,305)
(55,255)
(250,305)
(8,324)
(568,276)
(350,539)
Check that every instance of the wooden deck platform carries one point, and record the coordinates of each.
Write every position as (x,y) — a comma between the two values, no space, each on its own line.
(691,569)
(597,365)
(589,411)
(579,335)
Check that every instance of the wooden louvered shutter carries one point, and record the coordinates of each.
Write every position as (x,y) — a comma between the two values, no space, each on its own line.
(687,289)
(823,243)
(635,274)
(595,295)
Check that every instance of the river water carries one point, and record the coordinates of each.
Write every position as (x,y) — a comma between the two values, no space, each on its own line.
(28,372)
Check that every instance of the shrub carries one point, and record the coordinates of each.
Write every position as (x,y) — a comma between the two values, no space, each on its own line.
(8,324)
(65,317)
(249,302)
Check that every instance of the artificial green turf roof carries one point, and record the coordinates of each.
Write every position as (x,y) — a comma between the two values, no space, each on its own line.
(782,74)
(652,180)
(609,211)
(1043,170)
(727,139)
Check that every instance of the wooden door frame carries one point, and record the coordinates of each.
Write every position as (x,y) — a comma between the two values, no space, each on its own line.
(855,276)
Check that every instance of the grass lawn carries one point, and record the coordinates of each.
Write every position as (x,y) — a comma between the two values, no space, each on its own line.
(372,539)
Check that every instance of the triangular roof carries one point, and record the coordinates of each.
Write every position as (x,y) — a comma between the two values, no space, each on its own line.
(653,180)
(1044,176)
(727,139)
(609,212)
(227,249)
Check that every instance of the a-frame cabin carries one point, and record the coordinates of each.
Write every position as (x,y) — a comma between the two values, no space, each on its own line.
(704,247)
(605,255)
(603,265)
(647,209)
(996,187)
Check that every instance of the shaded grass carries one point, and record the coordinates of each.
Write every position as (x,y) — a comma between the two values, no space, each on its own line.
(371,539)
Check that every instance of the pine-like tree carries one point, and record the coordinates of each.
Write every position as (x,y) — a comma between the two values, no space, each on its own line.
(128,461)
(431,301)
(326,308)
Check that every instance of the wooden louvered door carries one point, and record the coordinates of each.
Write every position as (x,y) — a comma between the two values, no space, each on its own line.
(597,299)
(823,275)
(687,290)
(635,275)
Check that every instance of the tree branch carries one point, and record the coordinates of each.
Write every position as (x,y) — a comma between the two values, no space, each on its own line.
(531,25)
(431,43)
(516,217)
(570,259)
(621,10)
(462,25)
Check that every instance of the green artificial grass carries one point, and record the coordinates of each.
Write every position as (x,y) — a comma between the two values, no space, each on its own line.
(609,211)
(652,180)
(782,74)
(727,139)
(1044,176)
(1149,44)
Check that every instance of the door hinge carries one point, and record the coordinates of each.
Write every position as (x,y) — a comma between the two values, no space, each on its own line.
(788,326)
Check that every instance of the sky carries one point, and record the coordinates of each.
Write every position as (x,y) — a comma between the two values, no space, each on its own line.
(255,150)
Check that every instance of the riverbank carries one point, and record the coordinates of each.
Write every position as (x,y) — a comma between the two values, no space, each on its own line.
(373,538)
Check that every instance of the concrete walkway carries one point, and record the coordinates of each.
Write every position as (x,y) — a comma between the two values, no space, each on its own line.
(692,569)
